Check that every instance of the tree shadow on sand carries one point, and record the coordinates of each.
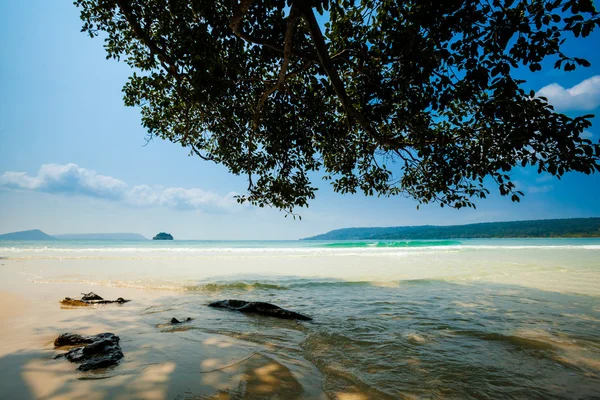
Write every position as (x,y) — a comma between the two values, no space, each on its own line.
(35,375)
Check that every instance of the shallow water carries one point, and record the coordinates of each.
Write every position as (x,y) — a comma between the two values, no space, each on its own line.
(445,319)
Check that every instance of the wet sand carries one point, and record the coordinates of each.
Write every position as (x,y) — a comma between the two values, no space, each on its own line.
(156,365)
(13,309)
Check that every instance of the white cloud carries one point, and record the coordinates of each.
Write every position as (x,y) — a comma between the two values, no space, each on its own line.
(71,179)
(583,96)
(539,189)
(586,135)
(532,188)
(68,179)
(176,197)
(545,178)
(19,180)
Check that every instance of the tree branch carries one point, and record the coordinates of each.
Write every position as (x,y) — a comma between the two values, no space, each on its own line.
(205,158)
(235,24)
(287,52)
(166,61)
(337,83)
(240,10)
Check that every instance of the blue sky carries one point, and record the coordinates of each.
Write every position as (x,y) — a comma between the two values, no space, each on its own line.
(73,160)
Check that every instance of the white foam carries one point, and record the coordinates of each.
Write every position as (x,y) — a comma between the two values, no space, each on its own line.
(335,250)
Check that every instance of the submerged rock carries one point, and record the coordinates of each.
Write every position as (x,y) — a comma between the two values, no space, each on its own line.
(176,321)
(98,351)
(89,299)
(258,307)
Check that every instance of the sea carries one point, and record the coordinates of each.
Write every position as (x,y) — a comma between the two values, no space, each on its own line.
(426,319)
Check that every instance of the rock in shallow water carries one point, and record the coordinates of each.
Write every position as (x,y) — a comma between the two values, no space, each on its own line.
(98,351)
(89,299)
(72,339)
(176,321)
(258,307)
(91,296)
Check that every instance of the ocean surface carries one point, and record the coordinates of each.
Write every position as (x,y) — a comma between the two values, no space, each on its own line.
(496,318)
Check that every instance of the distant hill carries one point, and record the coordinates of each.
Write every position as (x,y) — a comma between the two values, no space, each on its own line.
(34,234)
(101,236)
(548,228)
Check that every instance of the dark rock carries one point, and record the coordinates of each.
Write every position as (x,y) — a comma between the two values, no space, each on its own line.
(257,307)
(119,300)
(176,321)
(72,339)
(91,296)
(90,299)
(98,351)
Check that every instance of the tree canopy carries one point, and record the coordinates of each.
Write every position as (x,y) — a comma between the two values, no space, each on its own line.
(417,98)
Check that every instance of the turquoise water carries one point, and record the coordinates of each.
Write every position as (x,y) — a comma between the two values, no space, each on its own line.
(284,244)
(481,319)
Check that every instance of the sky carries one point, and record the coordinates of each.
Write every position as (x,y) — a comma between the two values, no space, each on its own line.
(73,158)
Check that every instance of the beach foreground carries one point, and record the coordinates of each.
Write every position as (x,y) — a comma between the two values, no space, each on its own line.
(475,319)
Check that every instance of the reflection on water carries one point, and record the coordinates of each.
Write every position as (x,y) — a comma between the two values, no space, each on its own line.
(428,340)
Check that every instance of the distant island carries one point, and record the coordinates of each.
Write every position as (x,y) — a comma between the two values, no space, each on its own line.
(36,234)
(33,234)
(548,228)
(163,236)
(100,236)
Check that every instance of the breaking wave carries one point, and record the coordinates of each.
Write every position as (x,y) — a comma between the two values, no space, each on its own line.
(235,286)
(405,243)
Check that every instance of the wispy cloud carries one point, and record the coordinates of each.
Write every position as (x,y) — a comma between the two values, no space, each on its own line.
(583,96)
(545,178)
(539,189)
(587,135)
(541,185)
(177,197)
(70,179)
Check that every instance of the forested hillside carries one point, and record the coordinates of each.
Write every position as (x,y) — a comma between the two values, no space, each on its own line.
(575,227)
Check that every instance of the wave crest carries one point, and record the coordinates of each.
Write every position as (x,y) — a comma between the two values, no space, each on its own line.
(402,243)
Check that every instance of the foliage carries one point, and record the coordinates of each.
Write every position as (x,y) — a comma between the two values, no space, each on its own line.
(575,227)
(417,98)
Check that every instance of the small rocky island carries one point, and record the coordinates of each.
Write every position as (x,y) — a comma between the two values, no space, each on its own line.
(163,236)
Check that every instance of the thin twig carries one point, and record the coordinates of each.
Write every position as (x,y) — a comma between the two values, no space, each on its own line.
(230,365)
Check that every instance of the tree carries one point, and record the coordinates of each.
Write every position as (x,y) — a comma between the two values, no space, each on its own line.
(415,97)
